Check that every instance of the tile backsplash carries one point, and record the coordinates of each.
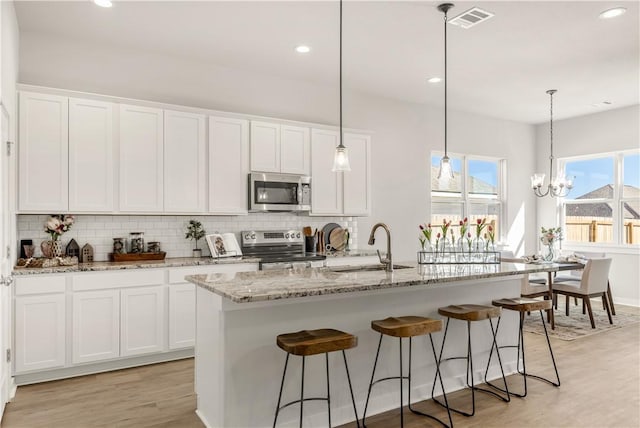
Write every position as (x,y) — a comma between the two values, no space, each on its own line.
(99,230)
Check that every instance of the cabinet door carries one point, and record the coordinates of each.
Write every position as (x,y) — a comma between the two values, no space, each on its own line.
(40,332)
(184,162)
(43,153)
(141,159)
(294,150)
(357,192)
(96,325)
(90,156)
(265,147)
(182,316)
(326,185)
(228,165)
(142,320)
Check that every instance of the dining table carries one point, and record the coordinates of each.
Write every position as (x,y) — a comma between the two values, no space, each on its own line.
(554,267)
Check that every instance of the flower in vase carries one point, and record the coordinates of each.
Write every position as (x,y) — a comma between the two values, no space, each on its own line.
(492,234)
(426,232)
(549,236)
(445,227)
(464,225)
(57,224)
(469,240)
(480,225)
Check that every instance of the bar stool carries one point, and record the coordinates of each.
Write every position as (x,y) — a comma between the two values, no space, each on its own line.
(312,342)
(402,327)
(523,305)
(469,313)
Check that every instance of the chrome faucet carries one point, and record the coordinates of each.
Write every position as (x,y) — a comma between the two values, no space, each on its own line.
(388,261)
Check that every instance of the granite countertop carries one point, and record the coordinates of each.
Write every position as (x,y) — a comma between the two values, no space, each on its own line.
(169,262)
(301,282)
(107,266)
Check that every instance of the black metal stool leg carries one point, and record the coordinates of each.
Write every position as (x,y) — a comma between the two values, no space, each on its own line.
(302,392)
(400,378)
(284,372)
(417,412)
(373,373)
(326,356)
(353,400)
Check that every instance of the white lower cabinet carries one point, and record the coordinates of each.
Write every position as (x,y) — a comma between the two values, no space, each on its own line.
(182,316)
(142,315)
(39,332)
(68,324)
(96,325)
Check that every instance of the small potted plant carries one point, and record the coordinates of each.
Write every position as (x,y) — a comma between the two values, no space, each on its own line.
(195,231)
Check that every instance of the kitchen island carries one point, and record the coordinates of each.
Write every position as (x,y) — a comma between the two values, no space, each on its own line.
(239,366)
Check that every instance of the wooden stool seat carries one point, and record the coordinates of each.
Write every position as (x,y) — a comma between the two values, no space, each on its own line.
(470,312)
(523,304)
(312,342)
(406,326)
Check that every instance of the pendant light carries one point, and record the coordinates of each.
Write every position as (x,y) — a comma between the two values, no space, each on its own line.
(446,171)
(558,186)
(341,157)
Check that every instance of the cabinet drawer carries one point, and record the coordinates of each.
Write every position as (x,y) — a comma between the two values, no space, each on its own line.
(106,280)
(176,276)
(39,284)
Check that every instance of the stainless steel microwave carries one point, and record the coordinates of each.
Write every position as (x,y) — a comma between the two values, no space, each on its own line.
(279,192)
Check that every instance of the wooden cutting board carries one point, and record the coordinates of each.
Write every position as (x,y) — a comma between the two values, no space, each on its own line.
(337,239)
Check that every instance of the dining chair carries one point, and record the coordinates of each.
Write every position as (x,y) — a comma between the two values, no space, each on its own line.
(593,283)
(575,275)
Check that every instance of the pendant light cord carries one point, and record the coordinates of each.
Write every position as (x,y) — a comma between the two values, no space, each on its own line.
(445,83)
(341,144)
(551,136)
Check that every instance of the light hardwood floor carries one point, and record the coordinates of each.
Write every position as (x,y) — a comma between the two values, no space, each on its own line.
(600,378)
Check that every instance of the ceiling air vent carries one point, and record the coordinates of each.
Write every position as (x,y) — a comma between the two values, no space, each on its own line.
(471,17)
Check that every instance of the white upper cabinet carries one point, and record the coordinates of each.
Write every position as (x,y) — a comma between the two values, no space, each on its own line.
(141,159)
(90,156)
(265,147)
(43,153)
(185,174)
(295,147)
(228,165)
(326,185)
(357,191)
(279,148)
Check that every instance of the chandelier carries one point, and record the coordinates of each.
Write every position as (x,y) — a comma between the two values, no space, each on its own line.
(558,186)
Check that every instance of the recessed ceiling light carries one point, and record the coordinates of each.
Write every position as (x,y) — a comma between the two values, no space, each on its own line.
(612,13)
(103,3)
(434,80)
(303,49)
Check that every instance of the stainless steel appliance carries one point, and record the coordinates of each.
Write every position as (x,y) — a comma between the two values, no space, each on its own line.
(279,192)
(278,249)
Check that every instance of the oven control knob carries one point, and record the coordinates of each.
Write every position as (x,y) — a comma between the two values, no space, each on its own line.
(247,236)
(298,235)
(286,236)
(253,236)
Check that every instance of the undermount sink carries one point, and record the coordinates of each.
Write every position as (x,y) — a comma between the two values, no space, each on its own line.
(364,268)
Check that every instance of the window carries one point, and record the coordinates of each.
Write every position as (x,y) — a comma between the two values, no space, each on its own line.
(475,191)
(604,205)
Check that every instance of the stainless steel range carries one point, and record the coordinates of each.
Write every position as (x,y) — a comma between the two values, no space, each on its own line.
(277,249)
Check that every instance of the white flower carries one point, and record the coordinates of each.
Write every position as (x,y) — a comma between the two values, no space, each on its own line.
(53,223)
(545,240)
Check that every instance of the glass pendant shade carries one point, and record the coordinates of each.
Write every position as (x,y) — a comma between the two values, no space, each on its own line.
(446,172)
(537,180)
(341,159)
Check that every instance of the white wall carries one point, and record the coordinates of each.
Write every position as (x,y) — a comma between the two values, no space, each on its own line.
(404,133)
(603,132)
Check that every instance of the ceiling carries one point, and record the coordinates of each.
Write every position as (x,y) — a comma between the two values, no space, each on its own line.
(500,68)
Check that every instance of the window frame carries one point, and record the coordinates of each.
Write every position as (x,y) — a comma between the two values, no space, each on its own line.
(466,198)
(616,202)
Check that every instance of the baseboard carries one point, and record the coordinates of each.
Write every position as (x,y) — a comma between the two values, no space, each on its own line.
(203,419)
(86,369)
(626,302)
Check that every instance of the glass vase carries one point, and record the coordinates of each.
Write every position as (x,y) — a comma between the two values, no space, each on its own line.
(550,253)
